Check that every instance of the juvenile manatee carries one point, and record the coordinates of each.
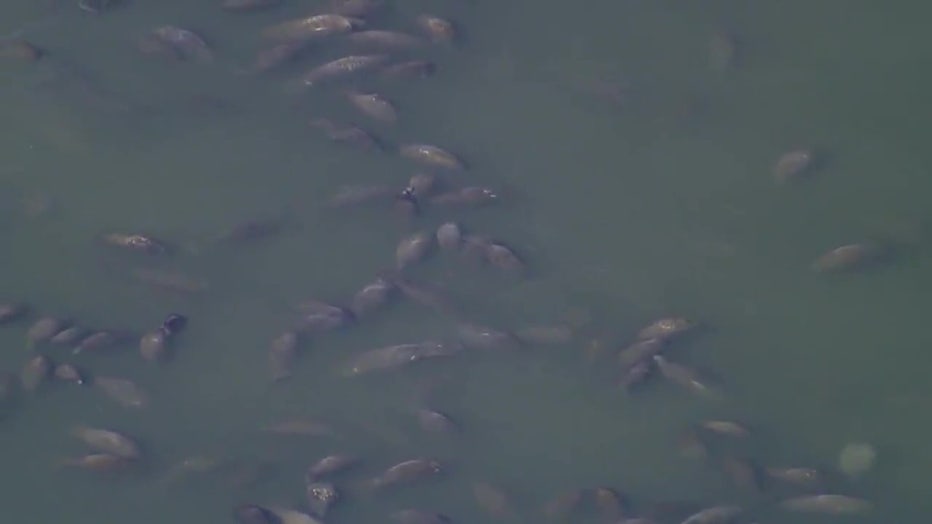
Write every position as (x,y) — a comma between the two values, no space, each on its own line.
(470,196)
(667,328)
(436,28)
(449,236)
(313,306)
(635,375)
(321,317)
(801,477)
(413,248)
(173,324)
(44,329)
(500,256)
(68,373)
(373,105)
(36,372)
(283,352)
(372,297)
(189,45)
(361,139)
(474,248)
(11,311)
(383,358)
(475,336)
(856,459)
(849,257)
(123,391)
(426,295)
(69,336)
(610,503)
(99,340)
(151,45)
(152,345)
(20,51)
(329,465)
(342,67)
(317,26)
(107,441)
(682,376)
(639,351)
(431,156)
(407,472)
(792,165)
(399,355)
(432,421)
(407,204)
(423,184)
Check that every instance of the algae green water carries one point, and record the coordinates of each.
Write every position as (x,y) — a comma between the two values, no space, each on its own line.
(639,183)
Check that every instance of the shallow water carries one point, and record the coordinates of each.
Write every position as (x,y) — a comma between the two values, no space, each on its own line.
(657,202)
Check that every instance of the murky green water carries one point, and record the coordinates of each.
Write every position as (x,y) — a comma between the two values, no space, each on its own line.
(659,203)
